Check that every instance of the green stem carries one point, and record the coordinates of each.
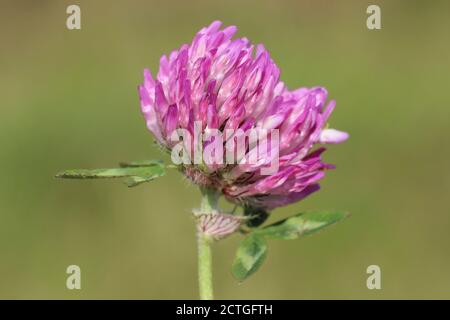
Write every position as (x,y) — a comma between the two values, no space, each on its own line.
(208,205)
(205,268)
(210,199)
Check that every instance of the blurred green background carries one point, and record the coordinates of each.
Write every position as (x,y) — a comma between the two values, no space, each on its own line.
(69,99)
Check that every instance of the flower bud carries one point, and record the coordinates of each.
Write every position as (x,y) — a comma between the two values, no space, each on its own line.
(217,225)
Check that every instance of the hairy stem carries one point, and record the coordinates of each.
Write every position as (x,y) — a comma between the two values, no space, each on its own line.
(208,205)
(205,268)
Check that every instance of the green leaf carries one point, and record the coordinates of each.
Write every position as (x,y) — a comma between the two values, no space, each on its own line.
(253,249)
(141,163)
(135,181)
(300,225)
(134,172)
(249,257)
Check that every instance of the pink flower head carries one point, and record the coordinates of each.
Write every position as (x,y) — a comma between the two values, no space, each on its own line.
(227,84)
